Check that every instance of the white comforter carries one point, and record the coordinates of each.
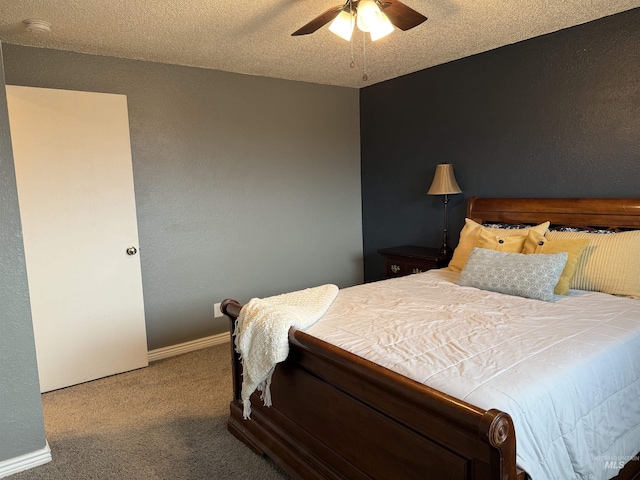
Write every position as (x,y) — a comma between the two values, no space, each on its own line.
(567,372)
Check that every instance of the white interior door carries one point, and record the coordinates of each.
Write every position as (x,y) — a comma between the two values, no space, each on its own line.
(72,158)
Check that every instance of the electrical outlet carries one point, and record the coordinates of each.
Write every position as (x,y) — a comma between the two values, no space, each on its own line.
(216,311)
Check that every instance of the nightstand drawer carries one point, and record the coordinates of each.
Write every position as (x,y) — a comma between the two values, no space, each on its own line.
(408,259)
(395,268)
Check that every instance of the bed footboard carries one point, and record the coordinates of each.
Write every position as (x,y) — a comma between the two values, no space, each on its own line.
(338,416)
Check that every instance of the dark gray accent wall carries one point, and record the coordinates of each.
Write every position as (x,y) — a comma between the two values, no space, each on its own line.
(554,116)
(21,424)
(245,186)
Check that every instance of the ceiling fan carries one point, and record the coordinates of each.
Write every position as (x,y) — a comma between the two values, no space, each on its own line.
(378,17)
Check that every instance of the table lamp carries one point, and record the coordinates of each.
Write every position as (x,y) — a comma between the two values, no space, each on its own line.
(444,183)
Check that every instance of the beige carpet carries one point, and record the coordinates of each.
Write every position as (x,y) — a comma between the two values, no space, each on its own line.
(166,421)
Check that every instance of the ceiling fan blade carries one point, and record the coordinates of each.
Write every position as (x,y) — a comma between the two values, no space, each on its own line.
(320,21)
(402,16)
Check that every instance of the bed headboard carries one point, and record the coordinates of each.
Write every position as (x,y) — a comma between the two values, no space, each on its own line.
(620,213)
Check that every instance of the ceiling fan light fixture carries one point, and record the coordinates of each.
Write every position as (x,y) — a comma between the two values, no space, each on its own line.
(369,15)
(382,28)
(343,24)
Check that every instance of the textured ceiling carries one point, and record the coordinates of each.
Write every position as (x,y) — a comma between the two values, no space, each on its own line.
(254,37)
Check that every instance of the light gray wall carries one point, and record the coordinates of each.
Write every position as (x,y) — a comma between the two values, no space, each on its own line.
(245,186)
(21,425)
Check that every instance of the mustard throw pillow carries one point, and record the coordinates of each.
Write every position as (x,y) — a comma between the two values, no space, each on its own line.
(490,241)
(470,235)
(536,243)
(610,263)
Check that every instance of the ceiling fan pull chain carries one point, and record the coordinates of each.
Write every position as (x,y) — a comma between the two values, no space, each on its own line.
(365,77)
(353,63)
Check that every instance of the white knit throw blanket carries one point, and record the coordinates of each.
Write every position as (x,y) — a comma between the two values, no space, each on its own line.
(262,334)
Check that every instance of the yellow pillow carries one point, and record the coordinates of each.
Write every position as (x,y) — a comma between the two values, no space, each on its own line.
(609,264)
(490,241)
(536,243)
(470,235)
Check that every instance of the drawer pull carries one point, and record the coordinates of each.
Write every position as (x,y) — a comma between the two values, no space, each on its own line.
(416,270)
(395,268)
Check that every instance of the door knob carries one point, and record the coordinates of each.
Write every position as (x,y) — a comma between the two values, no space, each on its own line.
(131,251)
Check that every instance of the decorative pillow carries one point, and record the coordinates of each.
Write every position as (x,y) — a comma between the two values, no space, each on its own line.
(530,276)
(609,264)
(506,226)
(513,244)
(470,234)
(586,230)
(536,243)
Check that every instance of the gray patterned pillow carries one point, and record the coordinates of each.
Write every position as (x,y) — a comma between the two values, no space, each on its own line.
(531,276)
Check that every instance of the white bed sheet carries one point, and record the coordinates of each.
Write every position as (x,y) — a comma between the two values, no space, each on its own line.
(568,371)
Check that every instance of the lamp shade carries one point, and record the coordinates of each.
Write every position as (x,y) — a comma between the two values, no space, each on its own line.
(369,15)
(444,181)
(343,24)
(381,29)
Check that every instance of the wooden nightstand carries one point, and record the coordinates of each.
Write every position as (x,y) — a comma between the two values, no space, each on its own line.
(407,259)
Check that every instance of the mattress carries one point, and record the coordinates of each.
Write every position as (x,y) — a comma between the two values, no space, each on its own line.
(567,371)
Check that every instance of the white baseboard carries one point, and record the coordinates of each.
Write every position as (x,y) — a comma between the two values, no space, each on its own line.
(25,462)
(170,351)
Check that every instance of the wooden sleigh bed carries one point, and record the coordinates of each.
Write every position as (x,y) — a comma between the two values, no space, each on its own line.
(338,416)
